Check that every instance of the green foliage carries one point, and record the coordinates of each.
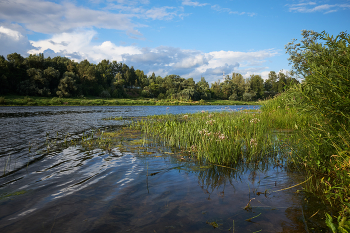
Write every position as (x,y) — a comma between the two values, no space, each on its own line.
(56,101)
(67,85)
(105,94)
(221,137)
(341,226)
(2,100)
(324,96)
(39,76)
(257,86)
(248,96)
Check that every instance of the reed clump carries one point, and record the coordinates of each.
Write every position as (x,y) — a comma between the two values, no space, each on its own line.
(226,138)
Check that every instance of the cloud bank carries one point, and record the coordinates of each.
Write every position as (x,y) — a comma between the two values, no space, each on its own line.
(163,60)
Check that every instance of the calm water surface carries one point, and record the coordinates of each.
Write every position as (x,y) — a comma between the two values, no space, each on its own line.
(137,186)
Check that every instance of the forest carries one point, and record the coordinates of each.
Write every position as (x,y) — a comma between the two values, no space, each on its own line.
(36,75)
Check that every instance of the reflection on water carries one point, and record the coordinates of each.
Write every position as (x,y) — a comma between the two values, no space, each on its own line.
(133,184)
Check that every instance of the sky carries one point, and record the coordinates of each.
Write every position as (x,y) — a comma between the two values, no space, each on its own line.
(190,38)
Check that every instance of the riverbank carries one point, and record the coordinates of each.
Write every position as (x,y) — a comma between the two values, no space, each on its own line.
(300,141)
(14,100)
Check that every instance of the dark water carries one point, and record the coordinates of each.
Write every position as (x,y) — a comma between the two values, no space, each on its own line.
(137,186)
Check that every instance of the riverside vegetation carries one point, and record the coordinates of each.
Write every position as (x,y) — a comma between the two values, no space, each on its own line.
(304,129)
(13,100)
(313,116)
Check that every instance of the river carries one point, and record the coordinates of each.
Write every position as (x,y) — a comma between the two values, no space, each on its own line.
(137,186)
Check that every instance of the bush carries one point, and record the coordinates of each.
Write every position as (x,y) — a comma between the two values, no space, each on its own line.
(85,102)
(161,96)
(56,101)
(2,101)
(248,96)
(105,94)
(233,97)
(145,93)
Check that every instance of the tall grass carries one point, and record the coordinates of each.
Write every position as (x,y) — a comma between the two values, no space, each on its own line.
(222,137)
(311,142)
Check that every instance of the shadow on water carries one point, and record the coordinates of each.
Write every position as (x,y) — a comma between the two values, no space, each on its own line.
(115,179)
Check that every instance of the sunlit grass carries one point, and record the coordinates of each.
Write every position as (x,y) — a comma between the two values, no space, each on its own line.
(14,100)
(222,137)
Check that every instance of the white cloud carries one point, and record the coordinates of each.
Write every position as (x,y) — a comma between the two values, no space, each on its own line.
(78,45)
(13,41)
(190,3)
(160,13)
(49,17)
(162,60)
(228,10)
(309,7)
(15,35)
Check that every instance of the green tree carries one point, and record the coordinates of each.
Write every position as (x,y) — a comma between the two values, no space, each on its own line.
(130,77)
(35,61)
(52,76)
(142,78)
(324,61)
(257,86)
(117,86)
(299,53)
(271,84)
(105,73)
(67,86)
(17,70)
(87,78)
(240,84)
(203,89)
(37,84)
(4,73)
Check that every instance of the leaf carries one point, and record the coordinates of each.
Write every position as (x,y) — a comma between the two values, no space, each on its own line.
(330,224)
(342,230)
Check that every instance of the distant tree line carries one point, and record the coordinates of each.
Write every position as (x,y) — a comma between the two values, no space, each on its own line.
(62,77)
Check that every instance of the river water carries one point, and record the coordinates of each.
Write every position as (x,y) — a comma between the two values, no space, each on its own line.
(137,186)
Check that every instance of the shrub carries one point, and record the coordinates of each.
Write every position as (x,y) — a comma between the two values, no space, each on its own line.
(56,101)
(2,101)
(247,96)
(233,96)
(105,94)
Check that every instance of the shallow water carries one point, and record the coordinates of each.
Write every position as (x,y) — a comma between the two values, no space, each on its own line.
(136,186)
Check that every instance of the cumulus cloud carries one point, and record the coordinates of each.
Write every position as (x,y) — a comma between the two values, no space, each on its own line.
(13,41)
(49,17)
(162,60)
(78,45)
(309,7)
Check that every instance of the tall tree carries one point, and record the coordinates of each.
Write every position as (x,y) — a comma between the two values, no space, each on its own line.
(257,86)
(67,86)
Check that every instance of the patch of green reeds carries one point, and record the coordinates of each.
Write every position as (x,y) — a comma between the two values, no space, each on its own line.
(223,137)
(321,149)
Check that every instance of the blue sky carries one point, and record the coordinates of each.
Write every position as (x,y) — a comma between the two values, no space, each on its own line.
(191,38)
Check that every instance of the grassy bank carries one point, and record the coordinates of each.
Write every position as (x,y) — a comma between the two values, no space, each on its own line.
(12,100)
(280,132)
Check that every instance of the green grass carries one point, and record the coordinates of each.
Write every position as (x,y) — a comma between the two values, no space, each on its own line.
(280,131)
(14,100)
(222,137)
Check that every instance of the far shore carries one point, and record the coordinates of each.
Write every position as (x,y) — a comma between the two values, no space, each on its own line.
(15,100)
